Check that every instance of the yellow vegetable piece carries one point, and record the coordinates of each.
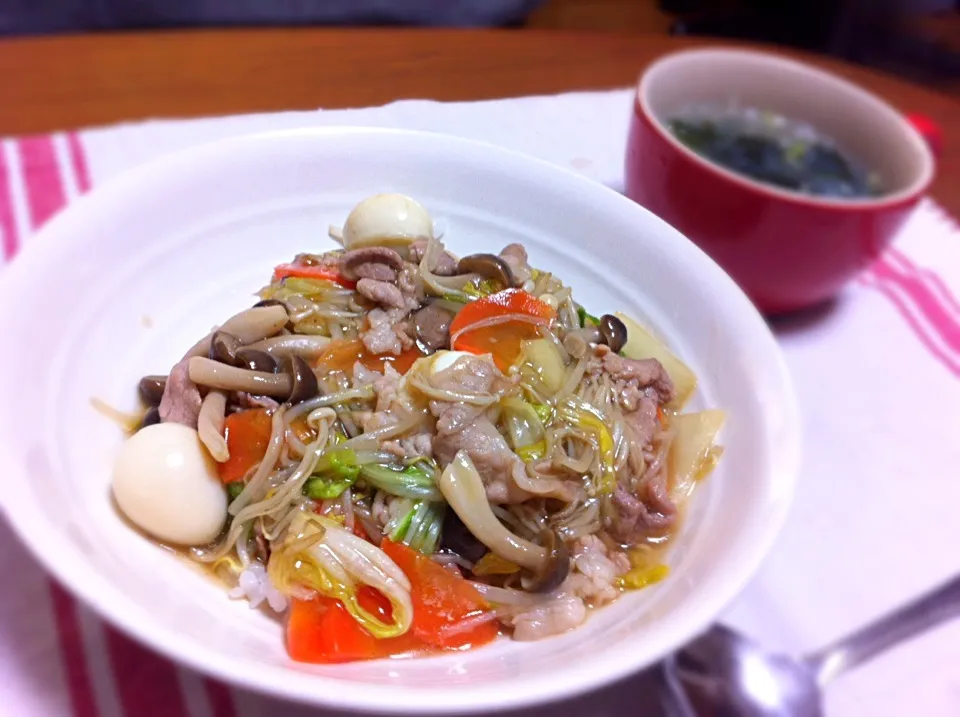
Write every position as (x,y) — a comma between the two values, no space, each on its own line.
(529,454)
(493,564)
(693,453)
(231,563)
(644,576)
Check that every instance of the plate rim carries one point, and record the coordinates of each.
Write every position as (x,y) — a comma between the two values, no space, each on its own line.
(102,596)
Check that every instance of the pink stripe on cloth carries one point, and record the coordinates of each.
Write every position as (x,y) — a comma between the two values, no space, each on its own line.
(79,161)
(45,195)
(919,327)
(147,683)
(71,646)
(937,284)
(8,230)
(935,313)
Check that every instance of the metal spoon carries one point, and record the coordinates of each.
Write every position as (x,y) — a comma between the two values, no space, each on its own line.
(723,674)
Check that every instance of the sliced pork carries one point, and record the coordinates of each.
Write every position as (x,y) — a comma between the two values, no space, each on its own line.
(594,571)
(445,263)
(386,332)
(464,426)
(375,262)
(516,258)
(381,292)
(181,397)
(634,376)
(553,617)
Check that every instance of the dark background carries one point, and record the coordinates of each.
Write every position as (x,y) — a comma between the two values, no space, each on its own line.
(918,39)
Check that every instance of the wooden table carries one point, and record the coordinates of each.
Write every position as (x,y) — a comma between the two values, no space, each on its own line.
(60,82)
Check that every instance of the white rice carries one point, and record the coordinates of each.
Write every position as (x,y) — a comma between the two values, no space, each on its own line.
(255,586)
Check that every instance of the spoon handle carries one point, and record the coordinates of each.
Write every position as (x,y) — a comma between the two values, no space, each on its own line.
(928,611)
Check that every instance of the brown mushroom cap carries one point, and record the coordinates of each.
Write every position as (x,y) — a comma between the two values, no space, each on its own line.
(431,325)
(456,537)
(489,266)
(614,332)
(271,302)
(151,389)
(256,360)
(304,381)
(557,565)
(224,347)
(150,417)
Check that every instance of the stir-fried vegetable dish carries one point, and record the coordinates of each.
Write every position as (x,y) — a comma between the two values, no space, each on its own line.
(399,451)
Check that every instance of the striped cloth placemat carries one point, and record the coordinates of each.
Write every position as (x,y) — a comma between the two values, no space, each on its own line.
(874,520)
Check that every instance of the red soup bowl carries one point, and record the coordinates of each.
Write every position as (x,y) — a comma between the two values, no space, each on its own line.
(787,250)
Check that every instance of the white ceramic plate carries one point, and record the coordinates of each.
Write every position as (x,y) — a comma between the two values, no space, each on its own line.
(122,283)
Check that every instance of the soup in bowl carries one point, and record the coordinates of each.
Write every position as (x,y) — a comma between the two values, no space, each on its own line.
(791,178)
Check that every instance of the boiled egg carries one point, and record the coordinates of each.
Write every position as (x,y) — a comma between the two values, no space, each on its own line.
(386,219)
(166,483)
(443,360)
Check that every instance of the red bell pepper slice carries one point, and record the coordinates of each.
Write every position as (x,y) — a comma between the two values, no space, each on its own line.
(307,271)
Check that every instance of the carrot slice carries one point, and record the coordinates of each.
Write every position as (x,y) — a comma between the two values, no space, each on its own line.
(305,271)
(248,435)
